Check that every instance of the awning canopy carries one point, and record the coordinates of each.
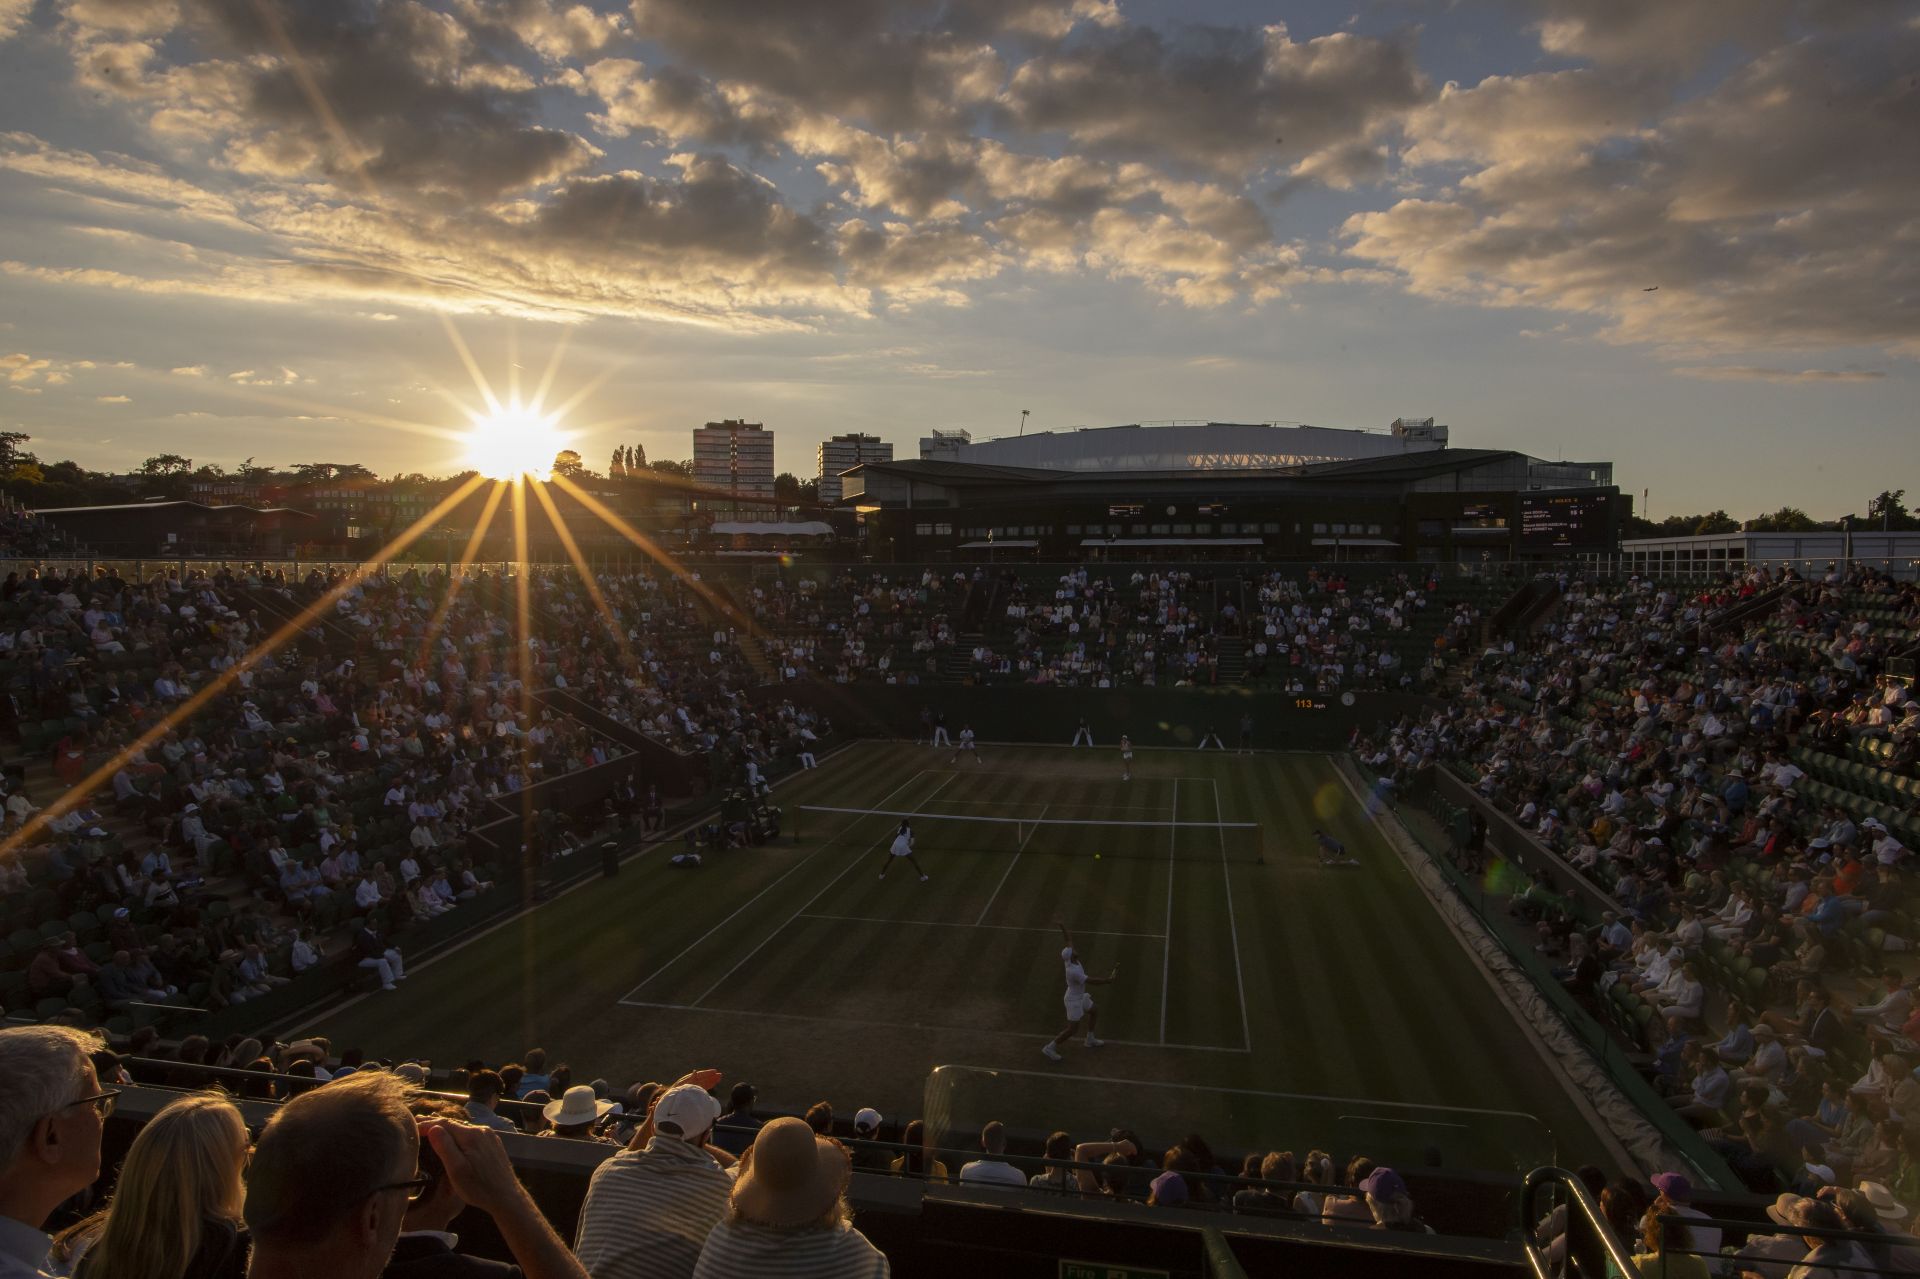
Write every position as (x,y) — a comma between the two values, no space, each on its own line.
(772,528)
(1354,541)
(1015,544)
(1171,541)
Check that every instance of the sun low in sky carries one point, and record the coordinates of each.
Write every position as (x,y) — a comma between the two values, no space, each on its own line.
(514,441)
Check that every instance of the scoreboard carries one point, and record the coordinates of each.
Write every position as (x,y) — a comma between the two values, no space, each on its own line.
(1567,519)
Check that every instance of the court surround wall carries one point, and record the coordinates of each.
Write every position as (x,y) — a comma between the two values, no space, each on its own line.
(1152,717)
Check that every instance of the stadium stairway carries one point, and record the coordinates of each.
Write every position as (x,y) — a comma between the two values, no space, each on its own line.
(1232,656)
(957,663)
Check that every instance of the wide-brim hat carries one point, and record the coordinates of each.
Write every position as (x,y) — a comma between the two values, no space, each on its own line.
(1780,1211)
(1885,1206)
(577,1105)
(793,1176)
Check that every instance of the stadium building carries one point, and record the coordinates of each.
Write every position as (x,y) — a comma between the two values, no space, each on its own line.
(1226,491)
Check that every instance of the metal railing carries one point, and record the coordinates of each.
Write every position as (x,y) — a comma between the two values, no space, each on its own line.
(1591,1243)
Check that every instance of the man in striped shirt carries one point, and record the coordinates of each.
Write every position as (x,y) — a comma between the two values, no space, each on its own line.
(650,1207)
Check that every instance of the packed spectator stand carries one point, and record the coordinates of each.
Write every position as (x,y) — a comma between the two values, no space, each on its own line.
(1300,629)
(1725,773)
(1731,772)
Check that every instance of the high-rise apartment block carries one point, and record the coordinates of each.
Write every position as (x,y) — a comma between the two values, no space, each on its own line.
(843,453)
(734,456)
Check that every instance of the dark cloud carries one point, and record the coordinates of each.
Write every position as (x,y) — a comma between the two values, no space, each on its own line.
(392,94)
(1774,211)
(1681,34)
(890,64)
(1228,98)
(716,212)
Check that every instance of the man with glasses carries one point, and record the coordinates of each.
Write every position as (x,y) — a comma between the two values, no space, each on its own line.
(335,1169)
(52,1111)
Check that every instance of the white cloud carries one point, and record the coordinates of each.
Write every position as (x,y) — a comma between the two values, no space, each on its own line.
(1757,373)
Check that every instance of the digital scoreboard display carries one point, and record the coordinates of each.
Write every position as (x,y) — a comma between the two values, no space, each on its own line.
(1566,519)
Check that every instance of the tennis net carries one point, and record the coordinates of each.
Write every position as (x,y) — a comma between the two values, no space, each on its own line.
(1050,836)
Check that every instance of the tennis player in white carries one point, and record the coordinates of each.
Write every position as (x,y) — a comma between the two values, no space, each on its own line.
(902,846)
(1079,1003)
(1126,758)
(966,746)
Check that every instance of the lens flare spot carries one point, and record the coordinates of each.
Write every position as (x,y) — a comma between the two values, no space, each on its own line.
(1327,802)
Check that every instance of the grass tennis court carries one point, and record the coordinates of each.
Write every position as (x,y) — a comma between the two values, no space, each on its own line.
(1255,998)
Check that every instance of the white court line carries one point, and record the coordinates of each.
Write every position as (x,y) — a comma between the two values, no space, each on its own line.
(1166,961)
(1233,929)
(1070,777)
(763,892)
(915,1025)
(947,923)
(1009,871)
(724,977)
(664,839)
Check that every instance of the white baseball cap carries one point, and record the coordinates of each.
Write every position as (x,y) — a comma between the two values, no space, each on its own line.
(867,1120)
(685,1112)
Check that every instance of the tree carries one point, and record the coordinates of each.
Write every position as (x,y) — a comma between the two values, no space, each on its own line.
(1788,519)
(1889,511)
(567,463)
(636,457)
(164,464)
(322,472)
(1717,522)
(10,450)
(682,469)
(786,487)
(617,469)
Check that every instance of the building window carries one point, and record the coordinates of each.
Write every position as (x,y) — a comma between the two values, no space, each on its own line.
(1183,529)
(1339,530)
(943,530)
(1160,530)
(1373,530)
(1320,528)
(1073,530)
(922,530)
(1229,529)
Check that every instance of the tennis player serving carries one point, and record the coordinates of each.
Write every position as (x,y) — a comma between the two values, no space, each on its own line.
(1079,1003)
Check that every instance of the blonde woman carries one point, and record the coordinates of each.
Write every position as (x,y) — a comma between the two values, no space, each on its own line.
(175,1212)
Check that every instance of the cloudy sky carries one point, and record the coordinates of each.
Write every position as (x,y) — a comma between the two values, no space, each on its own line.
(266,228)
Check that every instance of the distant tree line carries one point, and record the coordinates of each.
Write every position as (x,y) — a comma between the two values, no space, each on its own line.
(36,483)
(1886,511)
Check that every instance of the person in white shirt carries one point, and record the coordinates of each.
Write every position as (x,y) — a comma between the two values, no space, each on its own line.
(305,955)
(1079,1002)
(902,846)
(966,746)
(994,1170)
(1126,758)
